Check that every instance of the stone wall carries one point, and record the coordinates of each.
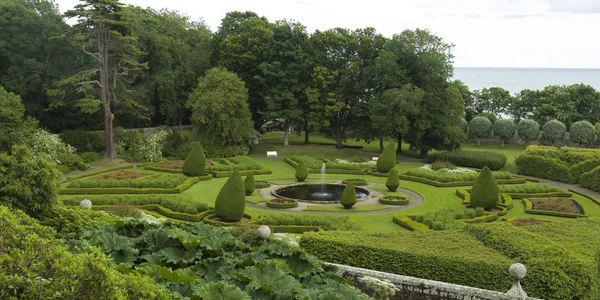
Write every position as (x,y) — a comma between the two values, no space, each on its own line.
(410,288)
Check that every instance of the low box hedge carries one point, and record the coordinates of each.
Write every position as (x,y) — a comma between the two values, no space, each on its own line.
(457,183)
(209,219)
(394,200)
(220,174)
(408,222)
(465,194)
(585,196)
(505,203)
(97,191)
(261,184)
(448,256)
(529,209)
(355,181)
(287,203)
(470,159)
(67,179)
(329,171)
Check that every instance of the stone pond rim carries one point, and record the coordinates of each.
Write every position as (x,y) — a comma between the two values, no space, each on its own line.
(308,192)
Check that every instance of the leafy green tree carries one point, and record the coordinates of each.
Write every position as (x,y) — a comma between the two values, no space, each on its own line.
(504,129)
(231,200)
(479,128)
(485,192)
(195,162)
(528,130)
(468,96)
(554,131)
(14,128)
(301,172)
(29,183)
(495,100)
(523,105)
(582,133)
(464,126)
(348,198)
(567,104)
(249,184)
(387,159)
(220,111)
(392,182)
(598,132)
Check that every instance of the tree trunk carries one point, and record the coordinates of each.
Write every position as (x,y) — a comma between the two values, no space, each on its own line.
(478,142)
(286,134)
(424,153)
(399,150)
(502,143)
(338,140)
(380,143)
(306,130)
(102,40)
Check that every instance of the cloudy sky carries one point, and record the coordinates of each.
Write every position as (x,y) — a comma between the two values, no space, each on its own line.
(490,33)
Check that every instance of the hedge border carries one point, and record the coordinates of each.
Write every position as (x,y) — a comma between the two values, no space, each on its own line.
(517,180)
(585,196)
(404,201)
(272,204)
(163,211)
(98,191)
(461,193)
(259,184)
(407,222)
(507,200)
(356,181)
(216,174)
(329,171)
(207,220)
(529,209)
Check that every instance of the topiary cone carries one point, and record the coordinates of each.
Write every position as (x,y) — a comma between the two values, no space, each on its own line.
(231,200)
(387,159)
(348,196)
(485,192)
(195,162)
(249,184)
(392,182)
(301,172)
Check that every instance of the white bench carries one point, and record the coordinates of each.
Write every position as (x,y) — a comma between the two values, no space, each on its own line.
(271,153)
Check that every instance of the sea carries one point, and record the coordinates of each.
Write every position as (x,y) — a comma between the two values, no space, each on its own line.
(516,79)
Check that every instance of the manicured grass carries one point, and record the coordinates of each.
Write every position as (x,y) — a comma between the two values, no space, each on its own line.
(387,192)
(364,207)
(255,198)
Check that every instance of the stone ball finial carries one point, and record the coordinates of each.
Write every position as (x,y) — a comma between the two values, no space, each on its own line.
(517,271)
(263,232)
(85,203)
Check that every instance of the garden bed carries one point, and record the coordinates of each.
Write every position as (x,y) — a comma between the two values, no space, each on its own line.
(261,184)
(394,200)
(282,203)
(122,175)
(212,219)
(219,167)
(314,165)
(356,181)
(558,207)
(339,208)
(450,177)
(105,186)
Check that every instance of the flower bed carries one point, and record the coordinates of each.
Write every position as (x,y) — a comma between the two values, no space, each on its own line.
(394,200)
(445,177)
(355,181)
(282,203)
(558,207)
(261,184)
(119,175)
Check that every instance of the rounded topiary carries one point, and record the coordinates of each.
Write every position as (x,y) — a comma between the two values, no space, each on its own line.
(582,133)
(387,159)
(392,181)
(485,192)
(554,131)
(480,127)
(249,184)
(528,130)
(231,200)
(464,125)
(348,196)
(195,162)
(504,129)
(301,171)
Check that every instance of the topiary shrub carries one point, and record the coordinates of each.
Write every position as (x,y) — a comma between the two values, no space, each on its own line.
(554,131)
(504,129)
(392,181)
(249,184)
(231,200)
(387,159)
(195,162)
(301,172)
(528,130)
(582,133)
(583,167)
(591,179)
(348,196)
(464,125)
(480,127)
(485,192)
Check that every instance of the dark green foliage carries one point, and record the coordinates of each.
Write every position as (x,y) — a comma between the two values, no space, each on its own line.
(582,133)
(471,159)
(387,159)
(89,157)
(178,144)
(348,198)
(449,217)
(71,222)
(164,181)
(195,162)
(249,184)
(29,183)
(544,167)
(84,141)
(301,172)
(480,127)
(583,167)
(591,179)
(528,130)
(485,192)
(392,181)
(176,203)
(231,200)
(327,222)
(554,131)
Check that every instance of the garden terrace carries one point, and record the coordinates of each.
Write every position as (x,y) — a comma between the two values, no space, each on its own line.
(219,167)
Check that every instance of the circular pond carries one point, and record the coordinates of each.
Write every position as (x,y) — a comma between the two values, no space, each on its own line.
(327,193)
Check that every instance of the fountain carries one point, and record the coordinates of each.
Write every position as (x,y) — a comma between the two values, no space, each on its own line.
(322,195)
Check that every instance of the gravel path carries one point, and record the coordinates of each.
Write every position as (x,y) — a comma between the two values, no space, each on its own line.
(565,186)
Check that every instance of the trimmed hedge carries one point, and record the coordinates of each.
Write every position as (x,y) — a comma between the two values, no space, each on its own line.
(445,177)
(407,222)
(543,167)
(448,256)
(231,200)
(394,200)
(470,159)
(529,209)
(210,219)
(301,172)
(585,196)
(97,191)
(485,192)
(261,184)
(195,162)
(355,181)
(387,159)
(348,198)
(294,164)
(466,194)
(249,184)
(591,180)
(288,203)
(458,183)
(67,179)
(177,203)
(392,182)
(584,167)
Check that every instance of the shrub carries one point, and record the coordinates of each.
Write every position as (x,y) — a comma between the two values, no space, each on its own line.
(260,184)
(480,127)
(583,167)
(89,157)
(464,125)
(392,181)
(301,172)
(327,222)
(387,159)
(528,130)
(163,181)
(582,133)
(282,203)
(249,184)
(84,141)
(348,198)
(504,129)
(178,143)
(470,159)
(554,131)
(591,179)
(176,203)
(29,183)
(195,162)
(355,181)
(394,200)
(543,167)
(231,200)
(485,192)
